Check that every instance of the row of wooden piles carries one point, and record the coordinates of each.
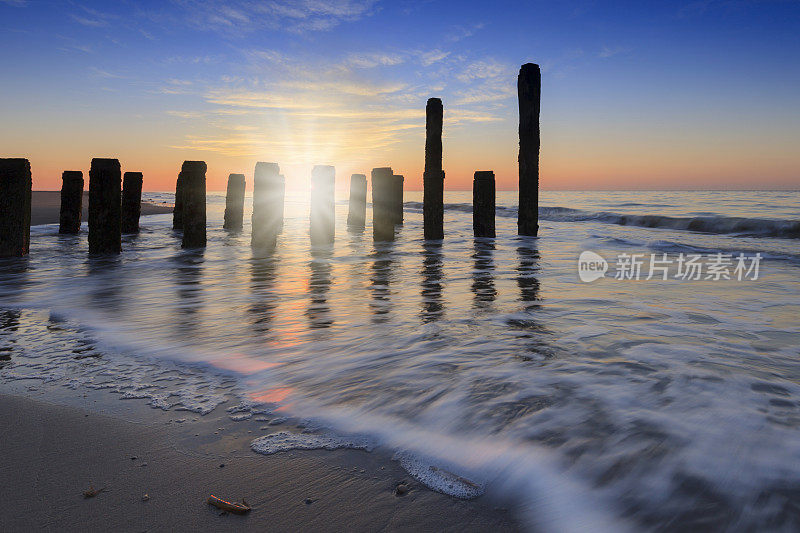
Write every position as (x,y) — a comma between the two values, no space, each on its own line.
(114,210)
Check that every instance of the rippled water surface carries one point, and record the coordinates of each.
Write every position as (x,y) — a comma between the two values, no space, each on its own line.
(664,404)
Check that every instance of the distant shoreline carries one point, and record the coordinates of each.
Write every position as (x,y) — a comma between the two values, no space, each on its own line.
(46,206)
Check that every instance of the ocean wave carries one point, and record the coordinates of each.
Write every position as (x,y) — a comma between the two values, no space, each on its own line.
(721,225)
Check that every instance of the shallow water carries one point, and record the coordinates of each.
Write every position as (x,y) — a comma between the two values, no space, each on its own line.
(663,404)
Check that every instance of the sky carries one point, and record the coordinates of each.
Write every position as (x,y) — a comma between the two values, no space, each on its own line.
(635,95)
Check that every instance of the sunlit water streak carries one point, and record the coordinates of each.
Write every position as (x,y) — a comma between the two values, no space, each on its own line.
(670,403)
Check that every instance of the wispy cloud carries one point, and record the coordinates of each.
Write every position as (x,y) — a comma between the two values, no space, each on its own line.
(15,3)
(194,60)
(486,94)
(483,69)
(94,23)
(371,60)
(459,33)
(92,18)
(73,46)
(100,73)
(433,56)
(611,51)
(296,16)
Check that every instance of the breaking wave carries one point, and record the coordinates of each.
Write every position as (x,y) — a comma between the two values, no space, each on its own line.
(721,225)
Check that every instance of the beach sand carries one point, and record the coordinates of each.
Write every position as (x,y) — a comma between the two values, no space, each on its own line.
(53,452)
(46,206)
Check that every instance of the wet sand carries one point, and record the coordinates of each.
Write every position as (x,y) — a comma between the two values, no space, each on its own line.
(53,452)
(46,205)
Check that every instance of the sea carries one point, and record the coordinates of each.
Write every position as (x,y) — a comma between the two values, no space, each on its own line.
(635,366)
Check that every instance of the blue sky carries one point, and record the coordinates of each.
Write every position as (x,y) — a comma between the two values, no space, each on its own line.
(654,95)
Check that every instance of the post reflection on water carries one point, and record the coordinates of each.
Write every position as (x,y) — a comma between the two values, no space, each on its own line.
(483,289)
(532,331)
(319,283)
(380,280)
(13,276)
(106,280)
(9,323)
(526,275)
(431,281)
(263,272)
(188,273)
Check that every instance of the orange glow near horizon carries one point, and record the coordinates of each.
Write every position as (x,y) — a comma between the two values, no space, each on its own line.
(557,172)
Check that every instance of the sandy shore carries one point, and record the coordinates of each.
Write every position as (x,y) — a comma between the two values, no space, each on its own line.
(53,452)
(46,205)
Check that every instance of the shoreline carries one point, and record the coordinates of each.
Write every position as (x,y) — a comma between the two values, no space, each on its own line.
(46,207)
(65,440)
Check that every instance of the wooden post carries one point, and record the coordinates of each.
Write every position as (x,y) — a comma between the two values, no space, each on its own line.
(234,203)
(322,204)
(382,222)
(194,204)
(177,211)
(357,213)
(131,201)
(397,199)
(15,207)
(433,178)
(69,220)
(529,87)
(483,204)
(105,230)
(268,202)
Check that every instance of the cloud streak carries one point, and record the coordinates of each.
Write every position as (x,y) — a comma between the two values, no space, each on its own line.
(298,16)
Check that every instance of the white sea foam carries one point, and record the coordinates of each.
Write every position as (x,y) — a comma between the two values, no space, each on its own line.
(285,441)
(437,478)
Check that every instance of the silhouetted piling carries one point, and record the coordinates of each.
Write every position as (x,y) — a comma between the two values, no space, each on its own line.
(177,211)
(268,193)
(382,219)
(397,199)
(15,207)
(322,204)
(483,204)
(234,203)
(529,85)
(194,204)
(69,220)
(105,222)
(131,201)
(357,212)
(433,178)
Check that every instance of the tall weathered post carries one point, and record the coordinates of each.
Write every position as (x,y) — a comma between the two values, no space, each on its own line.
(234,203)
(323,178)
(397,198)
(105,222)
(194,204)
(268,193)
(177,211)
(433,178)
(529,88)
(131,201)
(357,212)
(483,204)
(382,219)
(69,220)
(15,207)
